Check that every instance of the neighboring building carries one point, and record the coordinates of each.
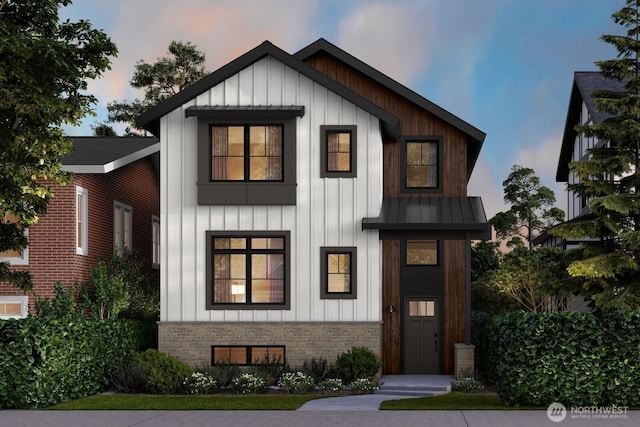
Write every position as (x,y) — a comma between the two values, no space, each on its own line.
(311,204)
(582,111)
(112,202)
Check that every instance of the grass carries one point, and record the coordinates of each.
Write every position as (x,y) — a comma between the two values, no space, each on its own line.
(451,401)
(147,402)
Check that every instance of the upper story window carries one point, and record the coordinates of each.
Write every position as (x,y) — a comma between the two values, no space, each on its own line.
(122,227)
(246,154)
(248,270)
(82,218)
(422,164)
(338,151)
(14,256)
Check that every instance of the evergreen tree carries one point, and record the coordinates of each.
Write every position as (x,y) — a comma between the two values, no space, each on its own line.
(159,81)
(609,180)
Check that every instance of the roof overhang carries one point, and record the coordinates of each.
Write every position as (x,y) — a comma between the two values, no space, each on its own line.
(438,217)
(105,154)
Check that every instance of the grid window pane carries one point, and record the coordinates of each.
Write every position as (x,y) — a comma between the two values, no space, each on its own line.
(422,308)
(339,273)
(338,152)
(422,164)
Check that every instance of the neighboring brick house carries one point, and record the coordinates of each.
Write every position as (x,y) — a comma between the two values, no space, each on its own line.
(309,204)
(112,200)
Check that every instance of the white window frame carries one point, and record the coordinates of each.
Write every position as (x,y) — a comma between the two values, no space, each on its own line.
(155,241)
(18,260)
(23,300)
(122,230)
(82,221)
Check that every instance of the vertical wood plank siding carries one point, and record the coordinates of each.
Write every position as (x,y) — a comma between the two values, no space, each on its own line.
(413,121)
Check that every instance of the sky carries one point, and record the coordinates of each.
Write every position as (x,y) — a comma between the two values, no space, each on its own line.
(504,66)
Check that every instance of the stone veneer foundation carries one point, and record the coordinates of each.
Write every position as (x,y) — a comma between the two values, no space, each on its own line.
(191,341)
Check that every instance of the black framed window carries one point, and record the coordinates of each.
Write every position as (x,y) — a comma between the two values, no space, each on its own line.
(247,355)
(422,252)
(338,146)
(421,160)
(338,271)
(248,270)
(247,153)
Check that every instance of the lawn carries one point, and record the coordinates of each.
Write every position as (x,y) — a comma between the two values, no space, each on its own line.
(148,402)
(452,401)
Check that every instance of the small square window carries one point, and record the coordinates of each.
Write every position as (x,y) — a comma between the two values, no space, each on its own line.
(422,252)
(338,151)
(338,273)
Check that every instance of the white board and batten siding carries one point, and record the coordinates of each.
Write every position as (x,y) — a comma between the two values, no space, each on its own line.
(328,212)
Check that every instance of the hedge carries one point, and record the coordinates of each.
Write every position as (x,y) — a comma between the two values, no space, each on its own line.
(45,361)
(574,358)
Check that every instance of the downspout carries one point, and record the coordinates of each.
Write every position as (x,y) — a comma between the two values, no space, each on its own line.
(467,299)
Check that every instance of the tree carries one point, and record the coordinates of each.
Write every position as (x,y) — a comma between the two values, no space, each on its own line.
(159,81)
(103,129)
(609,179)
(44,71)
(531,208)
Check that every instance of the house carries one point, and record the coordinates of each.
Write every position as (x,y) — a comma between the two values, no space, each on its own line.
(310,204)
(112,202)
(582,111)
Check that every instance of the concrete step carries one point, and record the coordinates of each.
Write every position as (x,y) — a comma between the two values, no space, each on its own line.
(407,386)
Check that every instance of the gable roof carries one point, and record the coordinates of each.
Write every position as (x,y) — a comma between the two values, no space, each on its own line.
(150,120)
(103,154)
(475,137)
(584,84)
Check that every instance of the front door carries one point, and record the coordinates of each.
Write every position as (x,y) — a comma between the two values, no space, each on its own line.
(421,340)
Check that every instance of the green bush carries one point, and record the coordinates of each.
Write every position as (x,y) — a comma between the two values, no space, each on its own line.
(248,384)
(108,294)
(162,373)
(319,369)
(45,360)
(222,372)
(128,378)
(357,363)
(296,382)
(574,358)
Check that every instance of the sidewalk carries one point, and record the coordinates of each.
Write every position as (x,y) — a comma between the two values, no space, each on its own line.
(37,418)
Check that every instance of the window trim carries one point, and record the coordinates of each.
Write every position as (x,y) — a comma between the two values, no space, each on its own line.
(286,305)
(324,272)
(23,259)
(23,300)
(155,241)
(403,163)
(248,349)
(247,192)
(83,248)
(325,130)
(123,208)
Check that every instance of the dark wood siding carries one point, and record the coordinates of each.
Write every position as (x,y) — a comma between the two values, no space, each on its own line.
(413,121)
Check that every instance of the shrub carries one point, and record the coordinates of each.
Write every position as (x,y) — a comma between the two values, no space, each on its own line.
(363,386)
(162,373)
(467,383)
(331,385)
(128,378)
(319,368)
(222,372)
(577,359)
(144,292)
(359,362)
(108,295)
(296,382)
(248,383)
(199,383)
(61,306)
(269,369)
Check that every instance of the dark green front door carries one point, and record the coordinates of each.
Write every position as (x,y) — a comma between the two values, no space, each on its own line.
(421,340)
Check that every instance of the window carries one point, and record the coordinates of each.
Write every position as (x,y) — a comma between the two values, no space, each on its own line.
(246,153)
(422,252)
(422,308)
(14,307)
(155,240)
(248,270)
(247,355)
(338,272)
(13,256)
(338,151)
(82,216)
(122,221)
(422,159)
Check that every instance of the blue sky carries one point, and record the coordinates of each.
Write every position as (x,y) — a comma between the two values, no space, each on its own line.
(504,66)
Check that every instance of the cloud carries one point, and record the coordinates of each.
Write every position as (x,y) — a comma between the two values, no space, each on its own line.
(393,37)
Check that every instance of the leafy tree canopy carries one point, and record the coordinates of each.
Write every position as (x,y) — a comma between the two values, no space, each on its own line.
(609,179)
(531,208)
(159,81)
(44,69)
